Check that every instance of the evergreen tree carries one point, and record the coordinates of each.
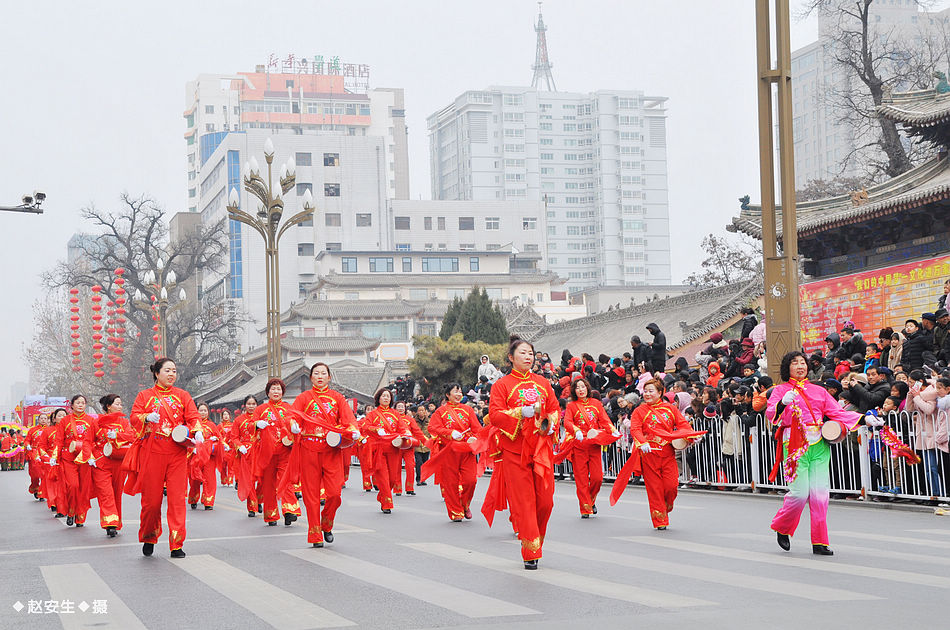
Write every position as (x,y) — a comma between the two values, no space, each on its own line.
(481,320)
(439,361)
(451,315)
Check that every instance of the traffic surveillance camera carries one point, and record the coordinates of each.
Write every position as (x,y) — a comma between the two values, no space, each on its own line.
(27,200)
(39,196)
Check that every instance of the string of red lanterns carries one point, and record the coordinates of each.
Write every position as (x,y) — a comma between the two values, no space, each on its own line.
(97,332)
(74,328)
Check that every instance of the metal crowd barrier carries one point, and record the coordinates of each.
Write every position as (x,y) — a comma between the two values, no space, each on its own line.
(861,465)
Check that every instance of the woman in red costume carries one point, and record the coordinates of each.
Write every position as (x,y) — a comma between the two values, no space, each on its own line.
(272,421)
(52,479)
(227,456)
(74,442)
(409,454)
(35,464)
(113,437)
(453,426)
(383,425)
(243,438)
(161,461)
(653,426)
(203,462)
(585,423)
(364,452)
(320,411)
(525,411)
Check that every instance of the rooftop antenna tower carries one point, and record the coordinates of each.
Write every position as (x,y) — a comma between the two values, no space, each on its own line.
(542,65)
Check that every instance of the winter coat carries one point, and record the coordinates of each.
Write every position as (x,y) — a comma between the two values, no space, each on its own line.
(930,421)
(832,353)
(912,350)
(867,397)
(749,322)
(657,349)
(851,347)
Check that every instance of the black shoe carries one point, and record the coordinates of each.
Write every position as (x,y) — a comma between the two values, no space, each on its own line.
(318,545)
(456,520)
(299,495)
(80,524)
(260,509)
(783,541)
(399,494)
(251,514)
(661,528)
(328,536)
(422,483)
(289,518)
(209,507)
(178,553)
(194,506)
(323,501)
(369,489)
(69,521)
(585,515)
(411,493)
(59,515)
(147,549)
(822,550)
(593,509)
(164,492)
(272,523)
(36,495)
(387,511)
(110,532)
(531,565)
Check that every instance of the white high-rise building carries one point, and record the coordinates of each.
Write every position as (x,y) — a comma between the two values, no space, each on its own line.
(821,144)
(597,160)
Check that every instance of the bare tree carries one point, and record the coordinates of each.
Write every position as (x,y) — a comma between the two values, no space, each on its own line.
(135,237)
(870,62)
(822,188)
(727,261)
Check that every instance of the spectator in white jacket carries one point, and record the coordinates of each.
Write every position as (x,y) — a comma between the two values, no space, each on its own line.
(487,370)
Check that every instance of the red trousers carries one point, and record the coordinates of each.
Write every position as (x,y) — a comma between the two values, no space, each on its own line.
(227,472)
(209,485)
(108,479)
(588,475)
(661,478)
(163,466)
(269,477)
(364,455)
(320,469)
(457,482)
(530,500)
(409,463)
(78,481)
(34,467)
(387,459)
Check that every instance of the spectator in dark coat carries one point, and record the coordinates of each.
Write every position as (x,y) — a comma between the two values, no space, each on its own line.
(833,343)
(915,344)
(616,375)
(640,352)
(941,336)
(851,345)
(870,396)
(748,322)
(657,348)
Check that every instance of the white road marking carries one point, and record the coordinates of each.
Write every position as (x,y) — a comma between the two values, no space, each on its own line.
(80,583)
(438,594)
(870,551)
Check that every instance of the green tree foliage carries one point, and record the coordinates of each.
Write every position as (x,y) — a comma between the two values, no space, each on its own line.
(439,361)
(477,319)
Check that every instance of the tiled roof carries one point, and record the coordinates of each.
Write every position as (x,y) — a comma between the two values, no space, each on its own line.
(920,108)
(317,344)
(313,308)
(610,332)
(347,280)
(919,186)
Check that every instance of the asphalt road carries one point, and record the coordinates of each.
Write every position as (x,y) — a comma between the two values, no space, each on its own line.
(717,566)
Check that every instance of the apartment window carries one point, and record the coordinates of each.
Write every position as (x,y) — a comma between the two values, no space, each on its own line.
(380,265)
(545,126)
(442,247)
(531,247)
(303,159)
(209,126)
(331,190)
(305,249)
(331,159)
(490,247)
(302,288)
(308,222)
(427,223)
(209,109)
(466,247)
(403,247)
(547,141)
(334,247)
(466,223)
(552,230)
(441,223)
(547,156)
(418,294)
(552,261)
(440,264)
(402,223)
(473,263)
(347,264)
(492,223)
(456,293)
(427,247)
(364,219)
(407,266)
(529,223)
(302,188)
(333,219)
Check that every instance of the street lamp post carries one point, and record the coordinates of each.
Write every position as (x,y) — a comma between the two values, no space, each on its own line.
(158,285)
(31,203)
(267,223)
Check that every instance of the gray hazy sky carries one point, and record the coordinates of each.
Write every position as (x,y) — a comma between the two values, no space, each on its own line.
(95,92)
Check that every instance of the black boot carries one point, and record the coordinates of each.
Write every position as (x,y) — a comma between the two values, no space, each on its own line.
(178,553)
(260,509)
(387,511)
(328,536)
(783,541)
(209,507)
(194,506)
(251,514)
(593,509)
(318,545)
(289,518)
(272,523)
(147,549)
(110,532)
(69,521)
(531,565)
(822,550)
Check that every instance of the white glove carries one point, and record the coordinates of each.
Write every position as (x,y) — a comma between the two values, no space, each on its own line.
(213,438)
(112,434)
(226,448)
(29,448)
(52,461)
(527,411)
(456,435)
(91,461)
(645,448)
(242,450)
(356,435)
(789,397)
(294,428)
(551,430)
(873,421)
(199,437)
(579,435)
(261,424)
(381,431)
(153,417)
(615,434)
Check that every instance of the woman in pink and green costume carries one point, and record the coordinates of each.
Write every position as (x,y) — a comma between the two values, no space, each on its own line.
(799,408)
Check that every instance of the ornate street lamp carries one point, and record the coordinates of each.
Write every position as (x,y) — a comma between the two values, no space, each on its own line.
(158,285)
(267,224)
